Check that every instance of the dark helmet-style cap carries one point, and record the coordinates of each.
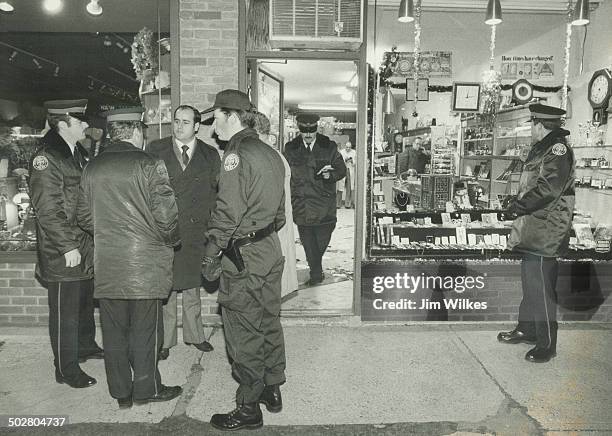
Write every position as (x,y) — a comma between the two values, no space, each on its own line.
(544,112)
(124,114)
(307,123)
(73,108)
(206,119)
(230,99)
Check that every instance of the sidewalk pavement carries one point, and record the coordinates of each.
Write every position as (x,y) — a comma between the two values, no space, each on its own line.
(345,377)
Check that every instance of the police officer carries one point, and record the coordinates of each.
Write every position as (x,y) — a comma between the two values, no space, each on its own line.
(127,203)
(316,165)
(540,233)
(65,261)
(249,210)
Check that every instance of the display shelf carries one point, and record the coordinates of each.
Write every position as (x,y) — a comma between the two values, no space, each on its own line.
(594,147)
(155,123)
(490,156)
(164,91)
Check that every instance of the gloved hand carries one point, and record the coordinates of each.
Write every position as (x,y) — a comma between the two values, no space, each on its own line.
(211,268)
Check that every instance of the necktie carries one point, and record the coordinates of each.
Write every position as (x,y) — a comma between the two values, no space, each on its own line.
(185,155)
(78,157)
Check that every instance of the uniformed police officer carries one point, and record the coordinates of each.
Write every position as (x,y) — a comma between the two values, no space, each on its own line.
(127,203)
(544,205)
(316,165)
(249,210)
(65,259)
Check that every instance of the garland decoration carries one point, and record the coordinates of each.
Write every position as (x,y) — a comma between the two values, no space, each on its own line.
(440,88)
(417,53)
(491,83)
(568,44)
(385,71)
(144,52)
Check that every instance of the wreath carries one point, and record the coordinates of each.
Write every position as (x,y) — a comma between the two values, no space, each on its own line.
(144,53)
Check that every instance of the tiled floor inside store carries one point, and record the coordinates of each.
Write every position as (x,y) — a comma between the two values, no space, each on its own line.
(335,295)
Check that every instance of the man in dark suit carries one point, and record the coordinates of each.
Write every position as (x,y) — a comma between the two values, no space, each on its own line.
(193,168)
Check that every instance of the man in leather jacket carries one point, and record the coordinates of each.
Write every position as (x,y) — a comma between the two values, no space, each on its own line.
(316,166)
(65,252)
(544,206)
(127,203)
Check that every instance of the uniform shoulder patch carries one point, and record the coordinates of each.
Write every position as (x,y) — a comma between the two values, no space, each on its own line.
(231,161)
(559,149)
(161,169)
(40,163)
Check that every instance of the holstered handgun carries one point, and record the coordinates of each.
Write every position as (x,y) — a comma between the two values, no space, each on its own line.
(232,252)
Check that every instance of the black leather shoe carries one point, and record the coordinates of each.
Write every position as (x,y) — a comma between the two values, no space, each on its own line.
(540,355)
(166,393)
(246,416)
(272,399)
(80,381)
(125,403)
(204,346)
(314,281)
(163,354)
(98,354)
(514,337)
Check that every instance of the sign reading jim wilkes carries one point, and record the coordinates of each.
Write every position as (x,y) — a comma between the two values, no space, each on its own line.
(425,292)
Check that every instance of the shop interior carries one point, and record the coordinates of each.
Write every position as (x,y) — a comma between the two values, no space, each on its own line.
(466,99)
(282,88)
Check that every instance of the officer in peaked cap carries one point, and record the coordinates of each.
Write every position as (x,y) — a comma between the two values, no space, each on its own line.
(249,210)
(316,166)
(540,233)
(54,187)
(133,256)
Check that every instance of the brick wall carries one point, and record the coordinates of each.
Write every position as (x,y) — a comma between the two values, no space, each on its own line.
(208,49)
(23,301)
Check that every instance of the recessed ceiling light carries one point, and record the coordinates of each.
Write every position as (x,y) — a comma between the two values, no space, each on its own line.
(6,7)
(53,6)
(94,8)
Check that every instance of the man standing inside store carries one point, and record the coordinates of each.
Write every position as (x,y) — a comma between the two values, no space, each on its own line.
(127,203)
(65,252)
(540,233)
(193,168)
(248,212)
(316,166)
(414,157)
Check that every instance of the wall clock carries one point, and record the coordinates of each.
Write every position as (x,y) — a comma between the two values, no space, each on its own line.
(600,88)
(522,91)
(466,97)
(600,116)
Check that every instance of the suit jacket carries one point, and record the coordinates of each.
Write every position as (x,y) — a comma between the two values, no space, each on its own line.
(195,190)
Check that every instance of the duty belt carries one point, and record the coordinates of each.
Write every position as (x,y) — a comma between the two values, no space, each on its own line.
(255,236)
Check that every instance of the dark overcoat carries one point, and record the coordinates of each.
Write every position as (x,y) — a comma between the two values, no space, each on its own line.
(195,190)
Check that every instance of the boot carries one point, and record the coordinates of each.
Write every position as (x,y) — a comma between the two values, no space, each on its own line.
(271,398)
(246,415)
(515,336)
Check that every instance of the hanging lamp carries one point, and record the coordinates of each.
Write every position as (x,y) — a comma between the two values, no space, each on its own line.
(581,13)
(494,13)
(6,6)
(406,11)
(388,102)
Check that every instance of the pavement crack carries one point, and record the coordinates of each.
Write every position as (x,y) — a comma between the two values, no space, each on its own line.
(510,411)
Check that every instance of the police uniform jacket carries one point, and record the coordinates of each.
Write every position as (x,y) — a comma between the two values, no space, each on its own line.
(127,203)
(54,188)
(314,198)
(545,200)
(195,190)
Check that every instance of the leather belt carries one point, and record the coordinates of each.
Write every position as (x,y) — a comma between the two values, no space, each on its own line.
(255,236)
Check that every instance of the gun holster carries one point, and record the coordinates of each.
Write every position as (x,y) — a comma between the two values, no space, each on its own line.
(232,252)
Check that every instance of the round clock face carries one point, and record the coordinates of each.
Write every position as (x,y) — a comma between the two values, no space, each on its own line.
(398,138)
(599,89)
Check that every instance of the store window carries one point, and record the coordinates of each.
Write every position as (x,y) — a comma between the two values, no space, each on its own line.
(67,52)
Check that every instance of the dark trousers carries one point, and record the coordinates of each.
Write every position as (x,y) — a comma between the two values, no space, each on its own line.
(132,332)
(538,309)
(253,332)
(72,329)
(315,240)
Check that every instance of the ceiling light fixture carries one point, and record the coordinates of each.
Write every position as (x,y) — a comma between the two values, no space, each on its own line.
(38,65)
(94,8)
(494,13)
(56,72)
(388,102)
(6,7)
(581,13)
(53,6)
(406,11)
(327,107)
(13,56)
